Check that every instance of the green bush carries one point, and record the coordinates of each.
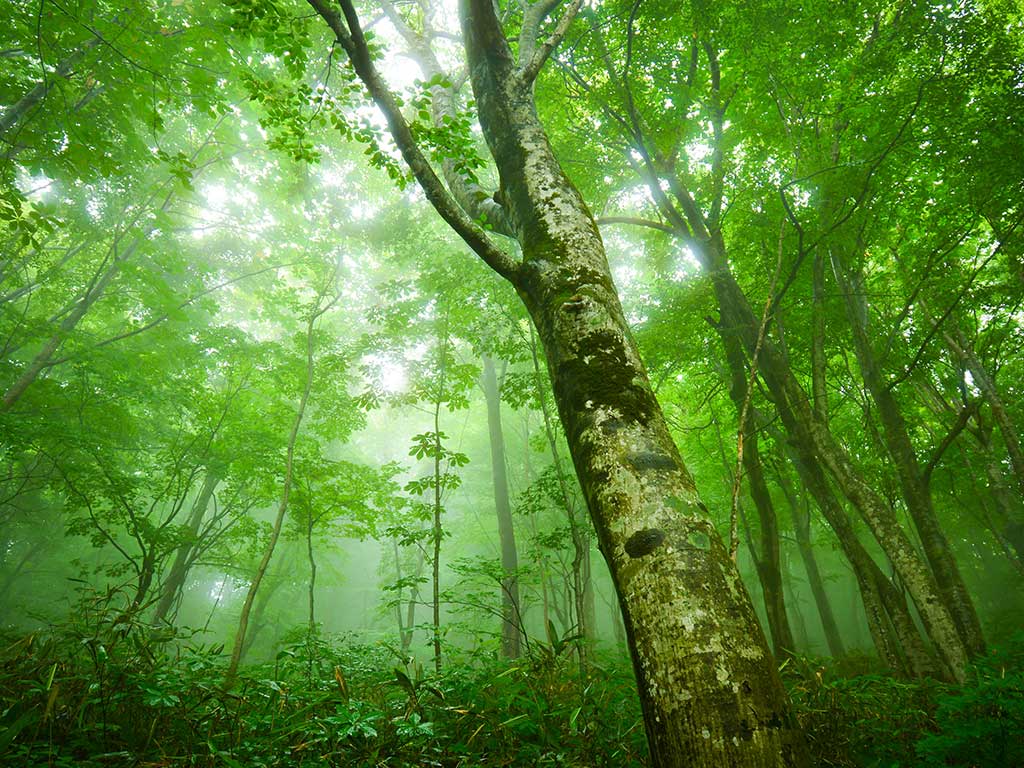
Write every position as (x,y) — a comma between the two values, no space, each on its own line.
(108,689)
(981,724)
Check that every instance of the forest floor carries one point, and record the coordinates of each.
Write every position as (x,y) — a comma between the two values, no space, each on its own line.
(118,693)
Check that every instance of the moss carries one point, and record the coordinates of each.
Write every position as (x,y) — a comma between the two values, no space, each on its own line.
(648,460)
(605,380)
(700,540)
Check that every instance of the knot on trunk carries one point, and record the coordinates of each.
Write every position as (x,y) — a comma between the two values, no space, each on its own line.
(644,542)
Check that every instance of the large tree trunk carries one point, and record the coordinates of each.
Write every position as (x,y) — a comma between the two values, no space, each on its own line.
(511,620)
(708,685)
(915,491)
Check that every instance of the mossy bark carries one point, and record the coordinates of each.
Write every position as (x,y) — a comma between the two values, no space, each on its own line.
(708,685)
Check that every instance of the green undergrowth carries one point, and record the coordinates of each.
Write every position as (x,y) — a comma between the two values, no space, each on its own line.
(113,691)
(870,720)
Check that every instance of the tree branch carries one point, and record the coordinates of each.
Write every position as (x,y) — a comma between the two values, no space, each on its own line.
(961,422)
(529,72)
(350,36)
(638,222)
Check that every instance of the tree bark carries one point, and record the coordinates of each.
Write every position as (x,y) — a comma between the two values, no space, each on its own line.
(681,595)
(511,622)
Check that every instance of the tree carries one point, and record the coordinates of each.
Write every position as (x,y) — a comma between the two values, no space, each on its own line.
(327,296)
(511,611)
(680,593)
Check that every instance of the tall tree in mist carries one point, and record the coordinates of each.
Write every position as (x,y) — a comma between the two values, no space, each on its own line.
(680,593)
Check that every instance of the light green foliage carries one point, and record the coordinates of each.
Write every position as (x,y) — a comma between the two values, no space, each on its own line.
(179,181)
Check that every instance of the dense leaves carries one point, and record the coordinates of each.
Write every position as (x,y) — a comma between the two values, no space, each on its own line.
(222,297)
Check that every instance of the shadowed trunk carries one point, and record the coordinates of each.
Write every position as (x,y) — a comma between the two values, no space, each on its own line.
(510,632)
(183,557)
(817,446)
(801,516)
(769,564)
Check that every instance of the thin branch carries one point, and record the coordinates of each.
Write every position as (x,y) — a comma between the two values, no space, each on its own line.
(350,36)
(954,432)
(529,73)
(156,321)
(639,222)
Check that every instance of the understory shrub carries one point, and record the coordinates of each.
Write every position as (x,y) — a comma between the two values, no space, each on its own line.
(109,690)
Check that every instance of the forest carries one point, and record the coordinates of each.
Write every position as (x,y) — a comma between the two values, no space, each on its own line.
(582,383)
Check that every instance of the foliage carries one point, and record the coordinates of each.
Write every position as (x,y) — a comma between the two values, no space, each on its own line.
(176,181)
(108,688)
(982,723)
(875,721)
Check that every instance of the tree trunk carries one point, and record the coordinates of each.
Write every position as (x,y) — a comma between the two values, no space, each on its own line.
(511,620)
(886,644)
(708,686)
(816,444)
(437,532)
(12,577)
(802,527)
(407,626)
(13,114)
(769,564)
(579,537)
(282,507)
(915,491)
(182,558)
(681,595)
(258,621)
(984,382)
(311,591)
(800,635)
(589,606)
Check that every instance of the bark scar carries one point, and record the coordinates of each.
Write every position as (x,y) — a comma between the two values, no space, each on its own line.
(644,542)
